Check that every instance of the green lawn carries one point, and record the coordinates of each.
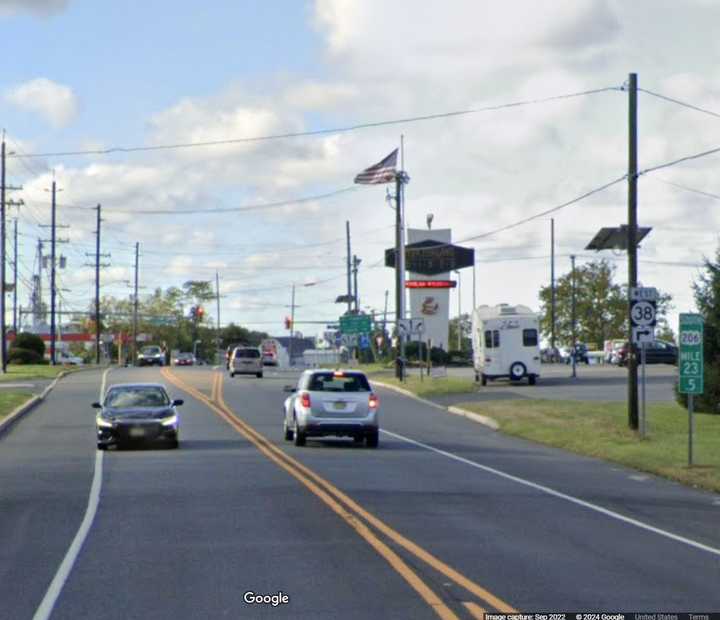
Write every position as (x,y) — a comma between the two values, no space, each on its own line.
(25,372)
(428,386)
(10,400)
(600,429)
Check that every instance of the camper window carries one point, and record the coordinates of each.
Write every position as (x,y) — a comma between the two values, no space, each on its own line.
(530,337)
(488,339)
(496,338)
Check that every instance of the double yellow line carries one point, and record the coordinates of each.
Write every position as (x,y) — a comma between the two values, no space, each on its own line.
(351,512)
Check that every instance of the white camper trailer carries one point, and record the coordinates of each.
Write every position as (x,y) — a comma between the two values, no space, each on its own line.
(505,343)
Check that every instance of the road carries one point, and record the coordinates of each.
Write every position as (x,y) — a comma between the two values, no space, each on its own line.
(445,519)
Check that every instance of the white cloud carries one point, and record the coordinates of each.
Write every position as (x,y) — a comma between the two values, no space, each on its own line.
(56,103)
(38,7)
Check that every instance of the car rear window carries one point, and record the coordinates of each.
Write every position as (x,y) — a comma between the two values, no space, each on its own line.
(254,353)
(331,382)
(136,396)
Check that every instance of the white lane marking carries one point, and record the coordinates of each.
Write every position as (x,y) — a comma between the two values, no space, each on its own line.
(63,572)
(569,498)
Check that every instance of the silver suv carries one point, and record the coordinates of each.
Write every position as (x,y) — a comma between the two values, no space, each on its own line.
(246,361)
(151,356)
(332,402)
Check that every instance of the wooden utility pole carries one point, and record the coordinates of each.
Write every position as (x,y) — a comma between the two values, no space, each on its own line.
(135,306)
(632,246)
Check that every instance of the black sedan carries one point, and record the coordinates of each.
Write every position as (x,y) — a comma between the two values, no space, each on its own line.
(137,413)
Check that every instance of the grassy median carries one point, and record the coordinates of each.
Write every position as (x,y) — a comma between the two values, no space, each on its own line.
(28,372)
(429,386)
(9,401)
(600,429)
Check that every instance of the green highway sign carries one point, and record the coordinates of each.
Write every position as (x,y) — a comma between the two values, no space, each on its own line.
(355,324)
(690,362)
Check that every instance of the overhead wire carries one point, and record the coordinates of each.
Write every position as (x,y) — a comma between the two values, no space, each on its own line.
(326,131)
(684,104)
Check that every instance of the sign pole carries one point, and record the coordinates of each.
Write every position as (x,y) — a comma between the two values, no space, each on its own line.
(643,411)
(690,429)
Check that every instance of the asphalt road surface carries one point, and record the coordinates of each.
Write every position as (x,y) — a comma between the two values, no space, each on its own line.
(445,519)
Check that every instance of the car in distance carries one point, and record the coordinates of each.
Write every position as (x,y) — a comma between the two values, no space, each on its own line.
(136,413)
(656,352)
(246,361)
(184,359)
(151,356)
(337,403)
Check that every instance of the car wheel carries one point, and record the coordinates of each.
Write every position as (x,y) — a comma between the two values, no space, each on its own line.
(232,374)
(258,375)
(532,379)
(288,432)
(483,380)
(102,446)
(517,371)
(300,437)
(357,439)
(373,439)
(174,444)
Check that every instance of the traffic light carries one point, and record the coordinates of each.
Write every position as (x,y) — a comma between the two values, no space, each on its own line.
(200,313)
(288,322)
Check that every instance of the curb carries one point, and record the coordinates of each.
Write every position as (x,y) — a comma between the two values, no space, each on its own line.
(17,413)
(470,415)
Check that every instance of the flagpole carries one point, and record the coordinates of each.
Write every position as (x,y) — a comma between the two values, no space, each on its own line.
(400,263)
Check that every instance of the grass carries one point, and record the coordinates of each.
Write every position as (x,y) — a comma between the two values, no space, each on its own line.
(600,429)
(24,372)
(11,400)
(430,386)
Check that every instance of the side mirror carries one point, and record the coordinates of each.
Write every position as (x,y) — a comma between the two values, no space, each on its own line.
(290,389)
(177,402)
(97,406)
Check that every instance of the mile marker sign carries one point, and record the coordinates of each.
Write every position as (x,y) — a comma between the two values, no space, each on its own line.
(690,363)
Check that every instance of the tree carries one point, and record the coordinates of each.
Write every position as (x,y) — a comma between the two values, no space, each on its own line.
(601,306)
(465,339)
(30,342)
(707,300)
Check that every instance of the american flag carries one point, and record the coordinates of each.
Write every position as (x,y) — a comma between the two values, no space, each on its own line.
(383,172)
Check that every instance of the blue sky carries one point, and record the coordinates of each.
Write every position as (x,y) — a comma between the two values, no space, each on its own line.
(84,74)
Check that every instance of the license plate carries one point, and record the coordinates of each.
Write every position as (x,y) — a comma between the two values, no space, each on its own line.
(339,405)
(137,432)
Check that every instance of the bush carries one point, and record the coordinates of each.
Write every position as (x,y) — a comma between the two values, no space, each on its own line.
(29,342)
(17,355)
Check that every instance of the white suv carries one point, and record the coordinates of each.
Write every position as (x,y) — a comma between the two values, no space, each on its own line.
(246,361)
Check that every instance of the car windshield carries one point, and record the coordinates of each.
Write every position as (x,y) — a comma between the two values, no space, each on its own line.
(254,353)
(332,382)
(137,396)
(150,350)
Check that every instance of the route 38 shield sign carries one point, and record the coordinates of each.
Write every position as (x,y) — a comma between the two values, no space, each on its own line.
(643,313)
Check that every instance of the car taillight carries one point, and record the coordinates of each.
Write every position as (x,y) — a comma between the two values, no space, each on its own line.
(305,400)
(374,401)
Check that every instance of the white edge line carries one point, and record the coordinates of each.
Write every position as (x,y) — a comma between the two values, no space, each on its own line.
(569,498)
(63,572)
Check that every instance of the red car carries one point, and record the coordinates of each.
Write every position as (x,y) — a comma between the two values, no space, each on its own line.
(184,359)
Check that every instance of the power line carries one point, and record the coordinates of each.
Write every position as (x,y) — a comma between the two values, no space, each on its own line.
(680,103)
(251,207)
(679,161)
(317,132)
(689,189)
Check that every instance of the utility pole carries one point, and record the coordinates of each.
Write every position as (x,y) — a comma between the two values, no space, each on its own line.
(135,305)
(632,245)
(3,206)
(387,293)
(400,179)
(217,300)
(459,325)
(53,224)
(574,318)
(552,287)
(356,263)
(292,325)
(15,276)
(98,265)
(349,268)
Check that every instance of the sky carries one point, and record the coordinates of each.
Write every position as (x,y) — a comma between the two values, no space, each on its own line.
(80,75)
